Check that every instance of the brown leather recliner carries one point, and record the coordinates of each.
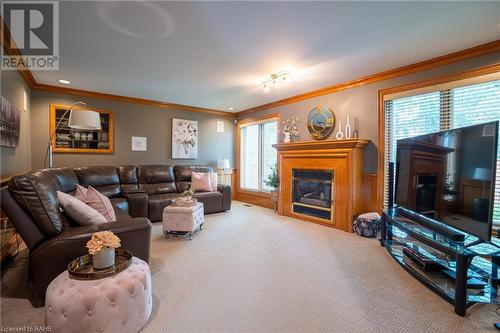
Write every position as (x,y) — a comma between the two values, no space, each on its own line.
(31,203)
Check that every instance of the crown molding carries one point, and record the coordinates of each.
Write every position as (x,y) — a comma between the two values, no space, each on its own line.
(11,49)
(127,99)
(472,52)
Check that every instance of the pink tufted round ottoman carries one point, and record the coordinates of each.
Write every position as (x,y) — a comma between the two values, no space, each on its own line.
(118,303)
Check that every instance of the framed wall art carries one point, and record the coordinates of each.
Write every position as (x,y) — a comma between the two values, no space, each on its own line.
(184,139)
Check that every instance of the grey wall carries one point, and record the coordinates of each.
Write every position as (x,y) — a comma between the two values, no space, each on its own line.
(362,102)
(132,120)
(16,160)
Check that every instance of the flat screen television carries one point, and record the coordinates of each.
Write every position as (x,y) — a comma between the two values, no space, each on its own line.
(449,177)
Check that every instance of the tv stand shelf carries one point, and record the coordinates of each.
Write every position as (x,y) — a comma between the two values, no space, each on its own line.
(473,263)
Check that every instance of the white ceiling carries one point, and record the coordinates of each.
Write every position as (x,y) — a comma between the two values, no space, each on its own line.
(215,54)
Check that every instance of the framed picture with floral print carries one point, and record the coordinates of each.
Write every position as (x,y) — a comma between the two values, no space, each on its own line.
(184,139)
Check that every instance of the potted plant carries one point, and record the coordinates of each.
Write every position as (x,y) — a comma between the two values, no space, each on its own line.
(102,247)
(273,180)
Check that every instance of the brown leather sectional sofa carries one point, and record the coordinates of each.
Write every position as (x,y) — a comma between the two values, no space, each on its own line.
(141,193)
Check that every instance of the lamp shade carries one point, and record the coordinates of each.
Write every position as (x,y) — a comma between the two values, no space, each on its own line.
(482,174)
(223,164)
(84,120)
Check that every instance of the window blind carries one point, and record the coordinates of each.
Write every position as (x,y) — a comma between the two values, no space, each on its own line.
(441,110)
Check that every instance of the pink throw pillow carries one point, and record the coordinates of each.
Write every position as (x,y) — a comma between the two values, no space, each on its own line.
(81,193)
(101,203)
(213,181)
(79,211)
(200,182)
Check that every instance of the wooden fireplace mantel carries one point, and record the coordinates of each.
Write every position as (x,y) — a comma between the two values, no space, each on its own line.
(332,144)
(343,157)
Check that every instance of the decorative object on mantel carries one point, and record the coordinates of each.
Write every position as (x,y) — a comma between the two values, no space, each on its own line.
(10,120)
(139,143)
(320,122)
(355,134)
(184,139)
(348,131)
(273,181)
(102,247)
(339,135)
(290,129)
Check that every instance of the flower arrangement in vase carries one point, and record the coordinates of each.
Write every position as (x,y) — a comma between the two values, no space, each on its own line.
(289,129)
(102,247)
(187,194)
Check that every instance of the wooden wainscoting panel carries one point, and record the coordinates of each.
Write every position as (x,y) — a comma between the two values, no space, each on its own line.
(369,193)
(258,198)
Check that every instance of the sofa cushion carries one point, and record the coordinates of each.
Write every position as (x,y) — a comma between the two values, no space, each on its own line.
(212,201)
(36,193)
(103,178)
(128,178)
(156,179)
(120,203)
(156,204)
(183,174)
(79,211)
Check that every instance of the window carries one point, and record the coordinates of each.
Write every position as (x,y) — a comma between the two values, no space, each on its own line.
(441,109)
(257,155)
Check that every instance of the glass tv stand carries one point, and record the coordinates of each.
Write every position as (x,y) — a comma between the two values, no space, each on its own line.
(463,273)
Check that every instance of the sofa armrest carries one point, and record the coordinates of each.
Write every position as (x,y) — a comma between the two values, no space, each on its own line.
(137,203)
(226,196)
(52,257)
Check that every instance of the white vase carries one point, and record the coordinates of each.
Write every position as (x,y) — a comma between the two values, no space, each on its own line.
(287,139)
(104,258)
(348,129)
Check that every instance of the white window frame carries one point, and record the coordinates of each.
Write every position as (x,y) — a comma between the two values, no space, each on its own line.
(260,122)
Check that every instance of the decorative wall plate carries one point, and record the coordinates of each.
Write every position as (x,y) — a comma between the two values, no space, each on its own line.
(320,122)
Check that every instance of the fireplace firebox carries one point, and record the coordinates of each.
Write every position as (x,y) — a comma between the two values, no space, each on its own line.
(313,192)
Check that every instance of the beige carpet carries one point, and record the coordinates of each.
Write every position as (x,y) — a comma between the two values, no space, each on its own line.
(252,271)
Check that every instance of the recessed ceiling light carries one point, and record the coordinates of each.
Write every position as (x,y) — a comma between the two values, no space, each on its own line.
(64,81)
(230,108)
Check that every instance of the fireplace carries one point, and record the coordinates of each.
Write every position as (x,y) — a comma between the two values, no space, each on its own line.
(313,192)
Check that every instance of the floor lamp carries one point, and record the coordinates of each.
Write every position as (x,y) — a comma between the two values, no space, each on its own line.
(80,119)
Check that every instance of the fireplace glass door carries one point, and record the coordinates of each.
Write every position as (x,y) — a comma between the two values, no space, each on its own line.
(313,193)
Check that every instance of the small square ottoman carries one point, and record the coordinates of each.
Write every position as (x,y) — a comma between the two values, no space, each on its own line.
(183,220)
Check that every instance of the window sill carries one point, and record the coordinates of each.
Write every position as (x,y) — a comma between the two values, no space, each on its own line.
(255,192)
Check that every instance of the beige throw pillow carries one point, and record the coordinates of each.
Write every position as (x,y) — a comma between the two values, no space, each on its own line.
(200,182)
(101,203)
(80,212)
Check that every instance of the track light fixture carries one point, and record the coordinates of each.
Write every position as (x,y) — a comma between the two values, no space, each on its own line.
(274,79)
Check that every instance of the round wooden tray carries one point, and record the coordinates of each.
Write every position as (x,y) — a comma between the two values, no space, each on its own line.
(82,268)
